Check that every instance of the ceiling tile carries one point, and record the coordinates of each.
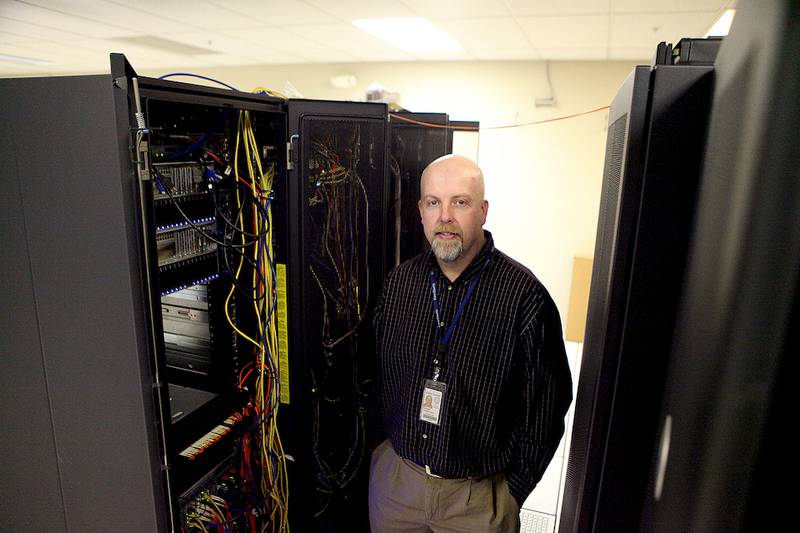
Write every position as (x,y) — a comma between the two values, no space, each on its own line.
(341,36)
(504,54)
(193,13)
(521,8)
(345,37)
(579,31)
(476,34)
(317,53)
(227,60)
(277,12)
(93,18)
(449,9)
(217,42)
(63,63)
(13,38)
(20,50)
(642,30)
(36,31)
(284,41)
(106,46)
(349,10)
(668,6)
(269,36)
(51,52)
(593,53)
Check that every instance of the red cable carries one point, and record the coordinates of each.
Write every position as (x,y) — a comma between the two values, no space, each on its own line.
(469,128)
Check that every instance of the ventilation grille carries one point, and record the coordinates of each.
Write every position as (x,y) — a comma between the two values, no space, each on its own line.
(536,522)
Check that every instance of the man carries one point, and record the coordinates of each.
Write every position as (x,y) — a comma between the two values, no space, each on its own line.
(476,332)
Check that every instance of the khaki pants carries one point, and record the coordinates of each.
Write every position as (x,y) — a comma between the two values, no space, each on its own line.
(402,497)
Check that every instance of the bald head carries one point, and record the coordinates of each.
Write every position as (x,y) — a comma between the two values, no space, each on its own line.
(454,168)
(453,211)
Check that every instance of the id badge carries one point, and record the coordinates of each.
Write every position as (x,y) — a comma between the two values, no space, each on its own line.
(432,400)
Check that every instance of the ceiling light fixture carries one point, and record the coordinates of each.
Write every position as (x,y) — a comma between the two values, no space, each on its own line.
(723,24)
(24,60)
(412,34)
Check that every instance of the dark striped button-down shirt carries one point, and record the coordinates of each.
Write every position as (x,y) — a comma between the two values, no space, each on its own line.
(506,372)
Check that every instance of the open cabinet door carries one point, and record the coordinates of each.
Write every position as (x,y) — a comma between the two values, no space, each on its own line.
(338,190)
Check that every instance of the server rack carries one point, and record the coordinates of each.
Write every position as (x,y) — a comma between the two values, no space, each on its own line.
(656,135)
(136,386)
(728,411)
(81,437)
(189,146)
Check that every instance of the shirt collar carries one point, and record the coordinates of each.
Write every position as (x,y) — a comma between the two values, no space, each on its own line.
(474,267)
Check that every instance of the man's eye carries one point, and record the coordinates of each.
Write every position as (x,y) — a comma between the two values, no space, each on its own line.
(433,203)
(460,202)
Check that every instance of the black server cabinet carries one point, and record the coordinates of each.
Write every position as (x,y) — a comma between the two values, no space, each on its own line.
(80,444)
(125,389)
(416,139)
(338,198)
(728,409)
(656,134)
(127,361)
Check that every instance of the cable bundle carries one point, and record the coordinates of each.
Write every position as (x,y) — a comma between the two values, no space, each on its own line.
(263,441)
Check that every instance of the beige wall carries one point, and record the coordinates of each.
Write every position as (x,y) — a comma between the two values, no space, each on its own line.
(542,182)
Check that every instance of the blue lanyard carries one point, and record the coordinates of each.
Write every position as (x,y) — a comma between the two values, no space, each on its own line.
(445,339)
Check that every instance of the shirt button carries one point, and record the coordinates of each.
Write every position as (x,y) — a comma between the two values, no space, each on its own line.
(424,435)
(450,288)
(441,324)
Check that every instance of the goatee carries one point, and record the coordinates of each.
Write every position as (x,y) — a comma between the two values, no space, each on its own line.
(447,251)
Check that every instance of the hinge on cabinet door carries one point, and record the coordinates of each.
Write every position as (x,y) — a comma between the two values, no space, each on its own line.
(141,151)
(291,151)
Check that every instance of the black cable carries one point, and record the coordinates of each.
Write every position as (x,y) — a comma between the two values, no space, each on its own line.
(233,225)
(245,290)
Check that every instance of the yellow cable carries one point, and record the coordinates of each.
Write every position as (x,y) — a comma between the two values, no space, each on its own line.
(271,92)
(270,439)
(241,258)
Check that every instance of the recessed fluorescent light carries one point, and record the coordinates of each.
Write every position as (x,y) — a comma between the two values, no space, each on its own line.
(24,60)
(413,34)
(723,24)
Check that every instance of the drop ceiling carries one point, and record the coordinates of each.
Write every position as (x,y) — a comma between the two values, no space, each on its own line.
(76,36)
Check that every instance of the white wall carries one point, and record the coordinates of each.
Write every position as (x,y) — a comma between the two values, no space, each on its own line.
(542,182)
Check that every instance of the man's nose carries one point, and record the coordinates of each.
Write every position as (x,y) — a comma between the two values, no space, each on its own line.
(445,215)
